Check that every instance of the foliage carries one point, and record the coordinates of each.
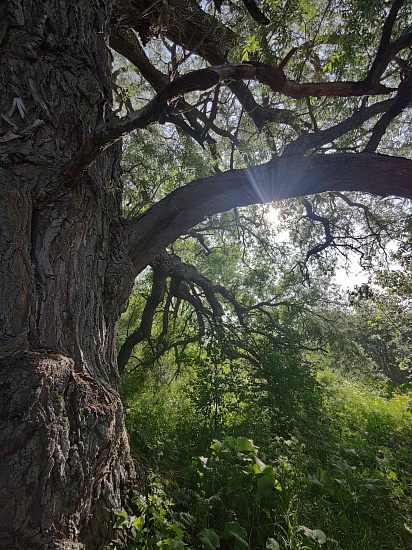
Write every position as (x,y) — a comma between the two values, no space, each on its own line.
(241,492)
(386,308)
(328,466)
(340,472)
(210,130)
(154,525)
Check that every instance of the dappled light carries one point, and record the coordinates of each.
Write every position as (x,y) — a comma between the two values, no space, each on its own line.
(183,184)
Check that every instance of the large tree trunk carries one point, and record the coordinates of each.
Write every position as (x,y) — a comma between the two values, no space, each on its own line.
(64,455)
(67,264)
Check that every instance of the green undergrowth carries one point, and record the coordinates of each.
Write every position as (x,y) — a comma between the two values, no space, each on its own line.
(334,471)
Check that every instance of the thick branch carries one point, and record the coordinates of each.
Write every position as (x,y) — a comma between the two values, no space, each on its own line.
(273,77)
(203,79)
(108,133)
(314,140)
(174,266)
(387,50)
(255,12)
(402,101)
(278,179)
(125,42)
(190,27)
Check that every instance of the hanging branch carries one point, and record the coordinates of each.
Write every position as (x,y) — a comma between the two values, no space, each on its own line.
(328,235)
(185,280)
(213,112)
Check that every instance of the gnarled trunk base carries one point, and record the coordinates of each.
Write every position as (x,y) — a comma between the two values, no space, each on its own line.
(64,455)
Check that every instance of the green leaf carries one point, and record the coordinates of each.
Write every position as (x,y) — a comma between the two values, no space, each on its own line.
(314,534)
(216,445)
(265,482)
(261,465)
(343,522)
(314,480)
(319,536)
(377,486)
(176,529)
(271,544)
(244,444)
(210,539)
(340,481)
(235,531)
(234,528)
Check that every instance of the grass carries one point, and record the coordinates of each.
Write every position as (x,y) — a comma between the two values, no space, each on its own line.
(337,470)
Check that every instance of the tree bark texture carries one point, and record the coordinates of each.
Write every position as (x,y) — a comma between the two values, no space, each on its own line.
(64,455)
(68,263)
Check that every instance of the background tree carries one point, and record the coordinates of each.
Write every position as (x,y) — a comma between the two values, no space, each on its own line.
(319,83)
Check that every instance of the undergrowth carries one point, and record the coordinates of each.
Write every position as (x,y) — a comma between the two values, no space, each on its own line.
(331,472)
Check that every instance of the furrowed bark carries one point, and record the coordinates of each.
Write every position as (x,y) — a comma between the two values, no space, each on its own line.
(64,459)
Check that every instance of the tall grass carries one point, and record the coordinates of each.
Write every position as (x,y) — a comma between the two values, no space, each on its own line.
(331,468)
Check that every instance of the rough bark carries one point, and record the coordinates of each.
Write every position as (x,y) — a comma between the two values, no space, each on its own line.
(68,264)
(64,282)
(63,455)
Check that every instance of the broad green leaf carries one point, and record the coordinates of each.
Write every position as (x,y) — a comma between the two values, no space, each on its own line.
(176,529)
(233,528)
(259,464)
(314,480)
(210,539)
(319,536)
(376,486)
(216,445)
(234,531)
(313,534)
(244,444)
(265,482)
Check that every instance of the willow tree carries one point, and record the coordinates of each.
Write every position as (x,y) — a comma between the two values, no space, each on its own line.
(336,76)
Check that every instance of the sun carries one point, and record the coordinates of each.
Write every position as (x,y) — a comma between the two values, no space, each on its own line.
(272,215)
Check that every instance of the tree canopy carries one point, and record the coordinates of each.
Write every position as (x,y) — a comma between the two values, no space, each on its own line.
(132,134)
(245,104)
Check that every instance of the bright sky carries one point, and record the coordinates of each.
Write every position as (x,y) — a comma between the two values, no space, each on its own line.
(355,276)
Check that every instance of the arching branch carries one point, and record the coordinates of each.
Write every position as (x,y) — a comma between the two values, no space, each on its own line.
(278,179)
